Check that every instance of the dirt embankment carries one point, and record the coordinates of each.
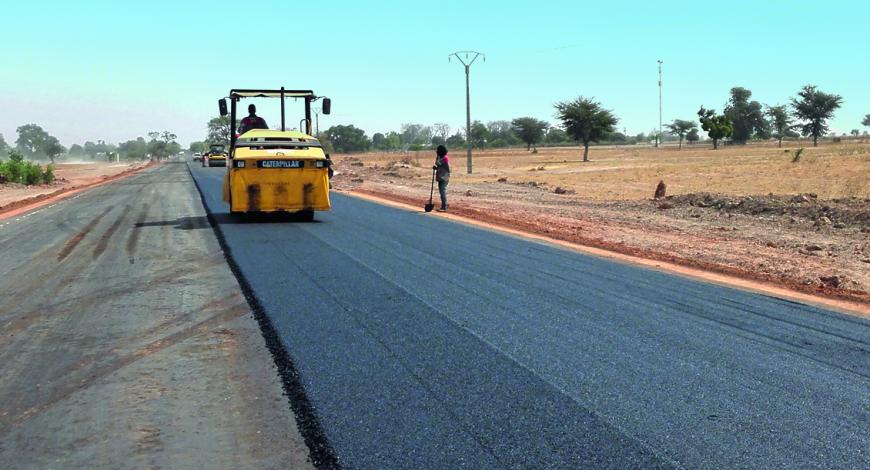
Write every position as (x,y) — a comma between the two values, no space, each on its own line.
(69,177)
(800,241)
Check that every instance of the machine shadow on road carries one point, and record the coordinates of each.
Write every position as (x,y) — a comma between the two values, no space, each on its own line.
(201,222)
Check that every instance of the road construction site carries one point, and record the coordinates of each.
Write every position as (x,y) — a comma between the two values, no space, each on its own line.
(143,326)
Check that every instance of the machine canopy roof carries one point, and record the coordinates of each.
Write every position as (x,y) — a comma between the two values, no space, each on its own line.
(271,93)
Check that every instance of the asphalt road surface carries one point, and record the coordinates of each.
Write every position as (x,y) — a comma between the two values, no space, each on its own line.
(425,343)
(126,342)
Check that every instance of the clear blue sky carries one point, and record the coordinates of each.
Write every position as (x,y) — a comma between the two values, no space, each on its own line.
(114,70)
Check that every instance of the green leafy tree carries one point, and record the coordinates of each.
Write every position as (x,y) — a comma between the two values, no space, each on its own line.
(855,132)
(52,148)
(394,140)
(529,130)
(99,149)
(503,131)
(348,139)
(586,121)
(556,136)
(4,147)
(815,108)
(379,141)
(693,136)
(681,128)
(479,135)
(76,150)
(32,140)
(198,147)
(219,131)
(780,121)
(456,140)
(747,117)
(717,126)
(866,121)
(134,149)
(162,145)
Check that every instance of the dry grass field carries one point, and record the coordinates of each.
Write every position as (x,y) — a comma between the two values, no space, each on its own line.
(748,211)
(632,172)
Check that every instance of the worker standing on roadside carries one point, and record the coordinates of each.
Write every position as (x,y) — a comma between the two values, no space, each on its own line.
(442,174)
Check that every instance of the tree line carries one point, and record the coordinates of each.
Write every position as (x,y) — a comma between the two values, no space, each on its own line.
(744,119)
(585,121)
(35,143)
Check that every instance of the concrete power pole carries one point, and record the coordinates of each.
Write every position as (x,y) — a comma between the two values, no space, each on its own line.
(470,57)
(658,141)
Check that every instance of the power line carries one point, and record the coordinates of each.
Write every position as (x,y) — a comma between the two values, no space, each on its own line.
(470,57)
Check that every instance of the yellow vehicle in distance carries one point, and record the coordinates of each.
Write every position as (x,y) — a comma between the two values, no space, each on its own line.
(216,156)
(272,171)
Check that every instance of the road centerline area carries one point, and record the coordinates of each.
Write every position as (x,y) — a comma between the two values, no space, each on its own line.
(422,342)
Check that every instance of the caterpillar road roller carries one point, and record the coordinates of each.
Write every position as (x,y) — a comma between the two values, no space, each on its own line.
(216,156)
(272,171)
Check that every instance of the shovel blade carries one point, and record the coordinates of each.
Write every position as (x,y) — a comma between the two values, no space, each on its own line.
(429,207)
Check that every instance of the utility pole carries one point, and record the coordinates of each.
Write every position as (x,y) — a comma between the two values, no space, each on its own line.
(659,139)
(470,57)
(316,121)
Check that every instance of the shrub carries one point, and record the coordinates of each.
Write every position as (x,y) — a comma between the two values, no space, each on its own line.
(17,170)
(48,174)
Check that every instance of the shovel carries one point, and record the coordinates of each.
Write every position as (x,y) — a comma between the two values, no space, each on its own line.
(430,206)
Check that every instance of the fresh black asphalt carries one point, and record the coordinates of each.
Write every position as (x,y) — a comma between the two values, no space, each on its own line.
(426,343)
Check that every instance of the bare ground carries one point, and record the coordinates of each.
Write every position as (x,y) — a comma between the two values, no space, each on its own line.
(68,176)
(802,241)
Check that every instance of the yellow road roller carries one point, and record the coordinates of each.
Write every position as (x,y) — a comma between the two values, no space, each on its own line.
(272,171)
(216,156)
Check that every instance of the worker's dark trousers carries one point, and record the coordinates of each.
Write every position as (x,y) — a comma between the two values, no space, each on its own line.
(442,190)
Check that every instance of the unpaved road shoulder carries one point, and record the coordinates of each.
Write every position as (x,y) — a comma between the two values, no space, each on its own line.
(126,342)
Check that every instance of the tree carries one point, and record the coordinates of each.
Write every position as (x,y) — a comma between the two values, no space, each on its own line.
(855,132)
(134,149)
(780,121)
(441,130)
(456,140)
(529,130)
(585,121)
(348,139)
(693,136)
(866,121)
(52,148)
(198,147)
(717,126)
(219,131)
(416,134)
(747,117)
(479,135)
(162,145)
(503,131)
(379,141)
(76,150)
(681,127)
(32,140)
(4,147)
(815,108)
(556,136)
(101,148)
(394,140)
